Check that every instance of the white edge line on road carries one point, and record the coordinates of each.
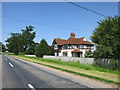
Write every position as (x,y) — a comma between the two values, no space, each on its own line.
(30,86)
(11,65)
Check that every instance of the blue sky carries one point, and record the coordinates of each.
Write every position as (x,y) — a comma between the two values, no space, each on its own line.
(54,19)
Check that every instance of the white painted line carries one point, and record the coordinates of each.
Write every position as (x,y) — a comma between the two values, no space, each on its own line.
(30,86)
(6,59)
(11,65)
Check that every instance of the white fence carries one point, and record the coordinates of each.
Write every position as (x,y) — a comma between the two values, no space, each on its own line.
(102,62)
(31,55)
(74,59)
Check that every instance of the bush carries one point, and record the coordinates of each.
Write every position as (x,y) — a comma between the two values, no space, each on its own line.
(10,53)
(89,56)
(21,53)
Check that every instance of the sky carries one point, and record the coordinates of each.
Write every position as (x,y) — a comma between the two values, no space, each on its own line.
(54,19)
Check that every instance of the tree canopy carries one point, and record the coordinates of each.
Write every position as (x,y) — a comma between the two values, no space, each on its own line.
(31,49)
(20,42)
(107,38)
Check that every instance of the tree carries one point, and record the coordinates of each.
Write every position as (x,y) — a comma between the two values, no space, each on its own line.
(15,43)
(2,47)
(28,37)
(31,49)
(107,38)
(19,42)
(42,49)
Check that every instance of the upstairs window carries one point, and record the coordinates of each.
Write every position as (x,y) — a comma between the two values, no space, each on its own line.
(64,47)
(80,46)
(55,46)
(73,46)
(85,46)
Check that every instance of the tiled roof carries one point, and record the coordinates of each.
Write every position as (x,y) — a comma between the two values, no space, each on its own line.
(60,41)
(72,40)
(76,50)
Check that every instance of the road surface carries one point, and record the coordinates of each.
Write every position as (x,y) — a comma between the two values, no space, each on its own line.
(20,74)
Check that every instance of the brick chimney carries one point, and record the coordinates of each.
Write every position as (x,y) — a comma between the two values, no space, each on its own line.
(72,35)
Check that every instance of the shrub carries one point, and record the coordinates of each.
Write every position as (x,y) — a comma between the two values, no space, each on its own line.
(21,53)
(89,56)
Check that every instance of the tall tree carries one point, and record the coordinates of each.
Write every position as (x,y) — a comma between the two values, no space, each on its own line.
(28,37)
(42,49)
(107,38)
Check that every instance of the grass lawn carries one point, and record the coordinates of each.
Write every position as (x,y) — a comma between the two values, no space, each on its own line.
(76,68)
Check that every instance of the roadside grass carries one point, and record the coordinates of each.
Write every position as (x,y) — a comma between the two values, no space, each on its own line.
(103,76)
(75,64)
(7,53)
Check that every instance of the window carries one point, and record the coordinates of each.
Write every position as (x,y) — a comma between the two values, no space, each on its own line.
(65,54)
(55,46)
(64,47)
(68,46)
(80,46)
(88,47)
(85,46)
(74,46)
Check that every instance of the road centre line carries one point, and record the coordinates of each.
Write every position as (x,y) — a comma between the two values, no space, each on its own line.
(30,86)
(11,65)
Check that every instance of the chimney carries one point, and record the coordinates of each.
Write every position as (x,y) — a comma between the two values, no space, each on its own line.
(72,35)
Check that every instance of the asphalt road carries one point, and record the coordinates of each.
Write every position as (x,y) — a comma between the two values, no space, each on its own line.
(20,74)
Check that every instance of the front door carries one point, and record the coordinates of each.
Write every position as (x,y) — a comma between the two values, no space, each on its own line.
(57,54)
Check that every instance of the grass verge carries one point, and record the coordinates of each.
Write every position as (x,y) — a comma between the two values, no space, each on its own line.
(75,64)
(56,66)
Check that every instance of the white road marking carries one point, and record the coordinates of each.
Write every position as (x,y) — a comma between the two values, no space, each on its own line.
(11,65)
(6,59)
(30,86)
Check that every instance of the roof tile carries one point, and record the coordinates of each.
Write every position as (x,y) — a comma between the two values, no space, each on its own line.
(72,40)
